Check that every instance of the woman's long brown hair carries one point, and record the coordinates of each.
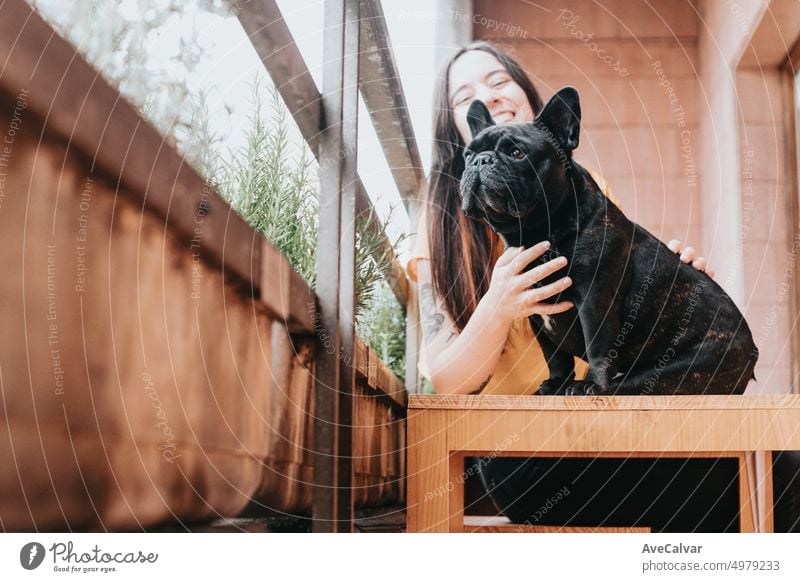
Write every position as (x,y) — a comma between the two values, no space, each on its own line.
(461,248)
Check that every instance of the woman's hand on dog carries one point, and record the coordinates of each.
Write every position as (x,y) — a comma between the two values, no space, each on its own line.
(688,256)
(510,288)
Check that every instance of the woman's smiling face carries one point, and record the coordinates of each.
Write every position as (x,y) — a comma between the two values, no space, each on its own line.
(479,75)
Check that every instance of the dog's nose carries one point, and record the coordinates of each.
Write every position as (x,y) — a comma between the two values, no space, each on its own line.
(486,158)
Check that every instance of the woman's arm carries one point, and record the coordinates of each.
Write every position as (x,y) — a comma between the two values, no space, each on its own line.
(461,363)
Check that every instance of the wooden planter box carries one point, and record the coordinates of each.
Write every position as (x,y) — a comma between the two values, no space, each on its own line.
(141,380)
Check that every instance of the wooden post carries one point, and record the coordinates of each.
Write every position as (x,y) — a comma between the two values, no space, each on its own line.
(428,481)
(413,335)
(335,364)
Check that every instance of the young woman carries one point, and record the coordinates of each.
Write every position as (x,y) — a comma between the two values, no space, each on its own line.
(475,302)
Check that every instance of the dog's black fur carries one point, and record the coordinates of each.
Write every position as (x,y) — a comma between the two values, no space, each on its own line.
(645,321)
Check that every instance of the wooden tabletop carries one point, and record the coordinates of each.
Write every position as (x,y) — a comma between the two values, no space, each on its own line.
(502,402)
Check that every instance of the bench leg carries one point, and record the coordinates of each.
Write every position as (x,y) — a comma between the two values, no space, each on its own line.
(428,492)
(768,523)
(747,507)
(456,477)
(755,492)
(762,465)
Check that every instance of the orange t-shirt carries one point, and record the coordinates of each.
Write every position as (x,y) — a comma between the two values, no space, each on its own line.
(522,366)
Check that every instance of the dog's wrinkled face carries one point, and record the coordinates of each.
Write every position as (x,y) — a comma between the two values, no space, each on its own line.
(514,173)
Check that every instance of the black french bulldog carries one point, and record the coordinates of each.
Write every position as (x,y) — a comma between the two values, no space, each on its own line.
(646,322)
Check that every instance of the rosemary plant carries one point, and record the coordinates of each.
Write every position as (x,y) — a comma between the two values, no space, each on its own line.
(277,196)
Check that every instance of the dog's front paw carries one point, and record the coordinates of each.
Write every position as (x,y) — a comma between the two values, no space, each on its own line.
(584,388)
(555,386)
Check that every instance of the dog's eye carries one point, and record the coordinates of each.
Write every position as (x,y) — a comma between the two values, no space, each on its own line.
(467,155)
(517,154)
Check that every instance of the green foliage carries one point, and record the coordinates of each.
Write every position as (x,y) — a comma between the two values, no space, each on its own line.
(371,273)
(383,327)
(277,196)
(121,39)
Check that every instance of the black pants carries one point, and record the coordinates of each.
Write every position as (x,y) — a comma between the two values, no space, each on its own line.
(667,495)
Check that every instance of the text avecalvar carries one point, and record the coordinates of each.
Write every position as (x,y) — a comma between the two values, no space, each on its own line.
(671,549)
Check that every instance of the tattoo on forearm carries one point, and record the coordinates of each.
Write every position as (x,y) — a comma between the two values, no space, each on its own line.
(482,386)
(432,320)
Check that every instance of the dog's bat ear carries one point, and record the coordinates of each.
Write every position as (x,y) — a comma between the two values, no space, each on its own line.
(478,117)
(562,116)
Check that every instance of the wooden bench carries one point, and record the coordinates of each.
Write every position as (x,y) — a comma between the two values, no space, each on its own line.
(443,430)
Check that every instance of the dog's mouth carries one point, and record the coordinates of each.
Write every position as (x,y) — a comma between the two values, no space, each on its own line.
(505,226)
(502,213)
(493,202)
